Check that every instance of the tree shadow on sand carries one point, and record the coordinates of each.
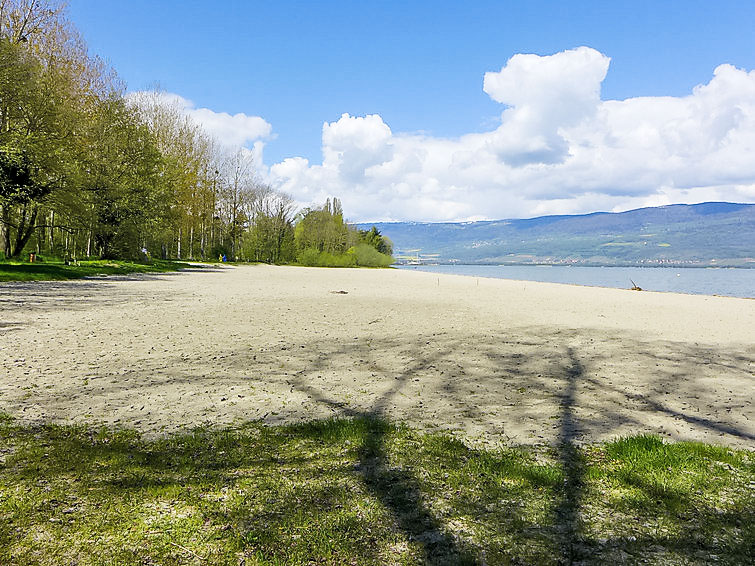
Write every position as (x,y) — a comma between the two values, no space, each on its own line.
(695,542)
(396,488)
(566,512)
(572,544)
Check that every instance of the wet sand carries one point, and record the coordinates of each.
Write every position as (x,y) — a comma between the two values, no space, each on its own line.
(490,359)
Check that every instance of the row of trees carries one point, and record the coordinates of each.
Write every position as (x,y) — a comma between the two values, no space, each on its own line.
(87,170)
(83,169)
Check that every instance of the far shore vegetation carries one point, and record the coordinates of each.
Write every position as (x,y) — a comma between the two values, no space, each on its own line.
(364,491)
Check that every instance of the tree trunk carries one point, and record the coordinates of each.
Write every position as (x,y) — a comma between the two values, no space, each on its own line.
(201,242)
(5,230)
(25,230)
(191,242)
(52,232)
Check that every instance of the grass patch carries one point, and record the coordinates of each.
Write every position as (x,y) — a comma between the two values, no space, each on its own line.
(362,491)
(58,270)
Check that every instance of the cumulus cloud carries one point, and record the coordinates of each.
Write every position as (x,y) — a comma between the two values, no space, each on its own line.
(352,145)
(544,96)
(236,129)
(559,148)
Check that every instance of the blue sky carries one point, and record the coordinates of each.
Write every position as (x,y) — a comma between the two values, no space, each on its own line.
(419,66)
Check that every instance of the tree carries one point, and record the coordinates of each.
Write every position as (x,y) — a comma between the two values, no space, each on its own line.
(189,172)
(271,236)
(372,237)
(29,144)
(119,178)
(324,229)
(238,189)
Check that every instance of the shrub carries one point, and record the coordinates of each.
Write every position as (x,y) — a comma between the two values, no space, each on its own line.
(309,257)
(314,258)
(367,256)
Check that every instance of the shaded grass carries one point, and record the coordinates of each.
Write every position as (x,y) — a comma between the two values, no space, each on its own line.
(57,270)
(359,491)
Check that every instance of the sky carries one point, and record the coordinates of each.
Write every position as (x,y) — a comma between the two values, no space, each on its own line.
(451,111)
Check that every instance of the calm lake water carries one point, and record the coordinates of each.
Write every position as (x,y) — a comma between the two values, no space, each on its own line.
(697,281)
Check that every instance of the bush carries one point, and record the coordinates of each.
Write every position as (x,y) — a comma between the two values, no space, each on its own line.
(309,257)
(367,256)
(362,255)
(314,258)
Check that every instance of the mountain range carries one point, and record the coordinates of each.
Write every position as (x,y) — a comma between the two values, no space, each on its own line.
(705,234)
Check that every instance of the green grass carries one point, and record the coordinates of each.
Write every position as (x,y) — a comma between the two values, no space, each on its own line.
(57,270)
(363,491)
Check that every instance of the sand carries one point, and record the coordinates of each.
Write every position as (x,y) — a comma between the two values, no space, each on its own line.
(493,361)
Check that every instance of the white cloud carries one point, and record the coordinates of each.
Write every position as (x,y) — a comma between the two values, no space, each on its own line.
(353,145)
(544,95)
(559,148)
(236,129)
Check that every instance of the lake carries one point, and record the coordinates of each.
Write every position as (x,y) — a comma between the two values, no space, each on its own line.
(696,281)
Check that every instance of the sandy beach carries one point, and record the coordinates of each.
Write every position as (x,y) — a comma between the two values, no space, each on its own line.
(492,360)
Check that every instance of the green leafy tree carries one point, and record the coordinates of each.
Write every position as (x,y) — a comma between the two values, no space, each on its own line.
(375,239)
(323,229)
(120,165)
(189,174)
(82,167)
(31,143)
(323,238)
